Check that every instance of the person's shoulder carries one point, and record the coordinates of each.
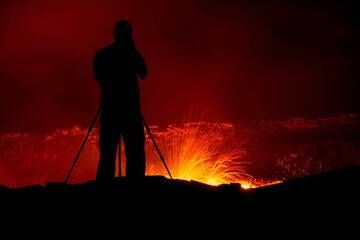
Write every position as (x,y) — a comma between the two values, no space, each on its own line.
(103,52)
(137,51)
(138,54)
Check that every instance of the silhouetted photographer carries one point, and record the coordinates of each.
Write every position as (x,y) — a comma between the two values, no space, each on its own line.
(117,68)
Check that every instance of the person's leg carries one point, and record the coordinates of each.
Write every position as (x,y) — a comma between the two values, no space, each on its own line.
(134,140)
(109,137)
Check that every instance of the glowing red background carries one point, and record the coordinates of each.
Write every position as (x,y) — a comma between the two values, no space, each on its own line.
(229,59)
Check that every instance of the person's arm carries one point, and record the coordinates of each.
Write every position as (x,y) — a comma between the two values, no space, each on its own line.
(141,67)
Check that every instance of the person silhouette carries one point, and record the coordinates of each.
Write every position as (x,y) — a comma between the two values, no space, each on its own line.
(116,69)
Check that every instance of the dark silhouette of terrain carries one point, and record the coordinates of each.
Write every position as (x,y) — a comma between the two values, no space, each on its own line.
(344,183)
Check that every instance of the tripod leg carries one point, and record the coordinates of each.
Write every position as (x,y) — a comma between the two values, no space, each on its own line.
(83,145)
(119,158)
(156,147)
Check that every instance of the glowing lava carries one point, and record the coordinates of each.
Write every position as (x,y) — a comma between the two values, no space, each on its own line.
(200,151)
(203,152)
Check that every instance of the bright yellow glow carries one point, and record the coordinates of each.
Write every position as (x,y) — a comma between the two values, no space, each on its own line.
(203,152)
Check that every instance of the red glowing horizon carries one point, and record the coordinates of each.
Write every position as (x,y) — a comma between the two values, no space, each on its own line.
(212,153)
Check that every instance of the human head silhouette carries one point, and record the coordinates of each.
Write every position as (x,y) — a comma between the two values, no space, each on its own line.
(123,30)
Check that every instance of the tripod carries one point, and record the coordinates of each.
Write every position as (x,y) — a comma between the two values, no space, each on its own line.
(77,157)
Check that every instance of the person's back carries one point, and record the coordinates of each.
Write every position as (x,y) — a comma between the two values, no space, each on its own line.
(117,68)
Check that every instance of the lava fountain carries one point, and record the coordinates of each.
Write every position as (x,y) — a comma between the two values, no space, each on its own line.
(200,151)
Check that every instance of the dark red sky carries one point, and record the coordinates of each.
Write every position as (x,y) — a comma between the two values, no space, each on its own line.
(227,59)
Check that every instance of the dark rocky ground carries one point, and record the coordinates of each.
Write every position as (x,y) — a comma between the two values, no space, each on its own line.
(328,199)
(344,182)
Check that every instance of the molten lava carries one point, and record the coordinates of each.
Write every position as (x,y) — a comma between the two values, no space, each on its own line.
(200,151)
(203,152)
(212,153)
